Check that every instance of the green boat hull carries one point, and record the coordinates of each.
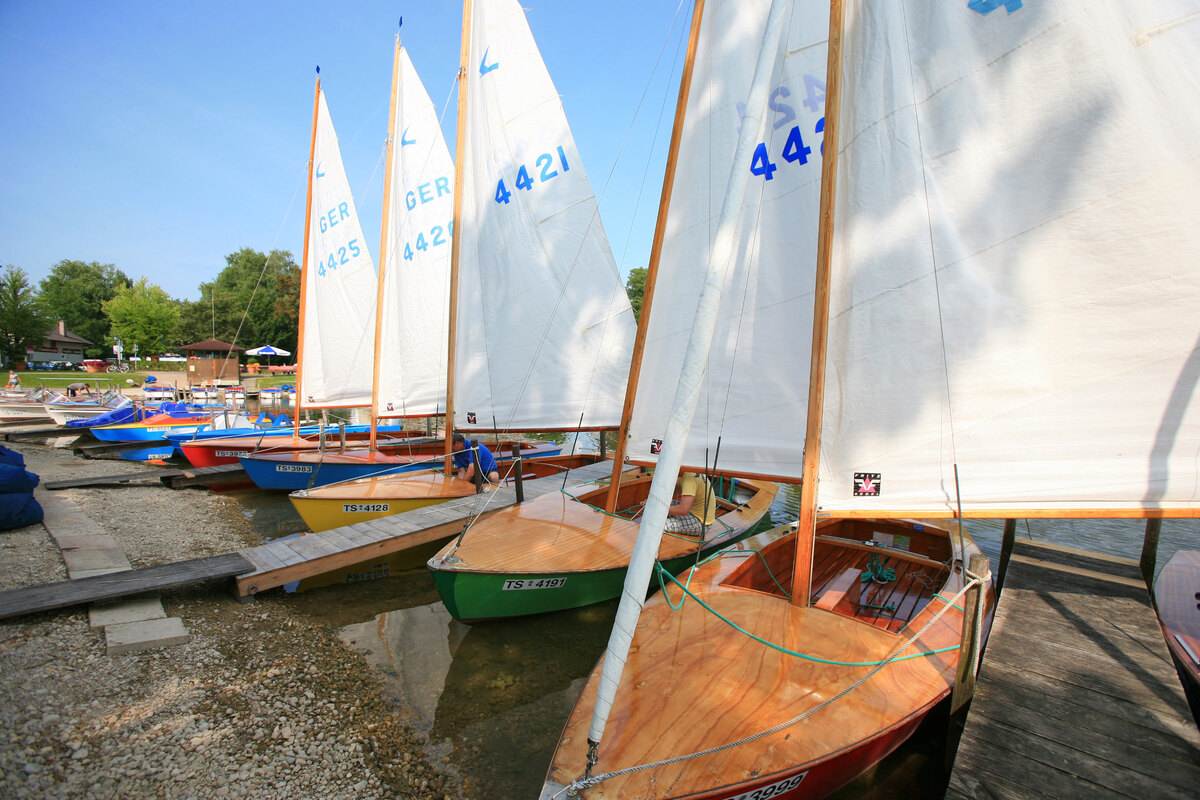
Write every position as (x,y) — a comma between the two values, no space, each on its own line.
(477,596)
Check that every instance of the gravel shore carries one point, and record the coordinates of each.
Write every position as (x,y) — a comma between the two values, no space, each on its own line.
(261,703)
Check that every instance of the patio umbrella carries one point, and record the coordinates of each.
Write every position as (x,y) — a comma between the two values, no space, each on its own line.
(268,351)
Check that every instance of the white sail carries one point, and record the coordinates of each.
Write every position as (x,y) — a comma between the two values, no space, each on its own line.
(416,275)
(1015,282)
(339,288)
(756,380)
(544,328)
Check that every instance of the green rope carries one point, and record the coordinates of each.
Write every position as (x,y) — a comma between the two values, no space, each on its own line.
(779,648)
(875,571)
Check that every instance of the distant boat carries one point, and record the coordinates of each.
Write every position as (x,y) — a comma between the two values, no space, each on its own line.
(30,406)
(981,348)
(68,411)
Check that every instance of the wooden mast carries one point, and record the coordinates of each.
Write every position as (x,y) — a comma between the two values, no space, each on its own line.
(383,242)
(660,228)
(806,528)
(459,136)
(312,154)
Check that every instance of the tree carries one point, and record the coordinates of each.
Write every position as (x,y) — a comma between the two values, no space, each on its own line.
(253,301)
(22,322)
(74,292)
(635,287)
(142,315)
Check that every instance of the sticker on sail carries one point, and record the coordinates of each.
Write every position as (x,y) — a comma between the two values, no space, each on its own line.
(470,417)
(655,446)
(774,790)
(866,484)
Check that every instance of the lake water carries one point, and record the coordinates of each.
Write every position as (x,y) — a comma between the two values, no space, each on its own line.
(492,698)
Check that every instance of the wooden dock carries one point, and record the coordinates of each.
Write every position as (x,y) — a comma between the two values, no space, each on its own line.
(123,583)
(1077,696)
(172,478)
(297,557)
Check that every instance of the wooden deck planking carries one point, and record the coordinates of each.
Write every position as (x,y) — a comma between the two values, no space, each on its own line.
(47,597)
(1077,696)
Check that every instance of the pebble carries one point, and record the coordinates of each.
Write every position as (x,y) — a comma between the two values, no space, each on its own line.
(77,723)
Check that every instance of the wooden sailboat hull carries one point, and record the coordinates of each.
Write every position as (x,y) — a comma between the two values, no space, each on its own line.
(693,682)
(1177,599)
(335,505)
(561,551)
(304,469)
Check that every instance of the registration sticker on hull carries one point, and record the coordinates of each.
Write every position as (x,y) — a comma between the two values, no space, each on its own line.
(534,583)
(365,508)
(774,790)
(293,468)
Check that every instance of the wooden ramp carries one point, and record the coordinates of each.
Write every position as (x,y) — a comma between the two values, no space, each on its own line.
(172,478)
(297,557)
(1077,696)
(49,596)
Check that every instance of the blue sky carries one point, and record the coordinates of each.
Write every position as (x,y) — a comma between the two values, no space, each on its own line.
(162,136)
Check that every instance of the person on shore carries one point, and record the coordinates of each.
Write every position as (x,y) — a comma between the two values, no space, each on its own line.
(76,389)
(14,380)
(467,452)
(693,506)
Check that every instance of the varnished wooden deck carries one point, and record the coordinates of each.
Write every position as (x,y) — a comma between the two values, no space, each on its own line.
(1077,696)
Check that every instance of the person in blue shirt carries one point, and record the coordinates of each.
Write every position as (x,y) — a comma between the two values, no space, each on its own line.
(465,452)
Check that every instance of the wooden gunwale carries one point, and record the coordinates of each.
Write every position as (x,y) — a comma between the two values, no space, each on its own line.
(566,536)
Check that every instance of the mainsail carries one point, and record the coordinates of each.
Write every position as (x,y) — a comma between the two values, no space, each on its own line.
(544,328)
(1014,275)
(414,295)
(755,382)
(339,285)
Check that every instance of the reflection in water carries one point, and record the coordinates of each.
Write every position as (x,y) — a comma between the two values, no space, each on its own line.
(491,697)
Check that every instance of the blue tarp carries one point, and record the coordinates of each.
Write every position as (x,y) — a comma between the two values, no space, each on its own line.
(17,506)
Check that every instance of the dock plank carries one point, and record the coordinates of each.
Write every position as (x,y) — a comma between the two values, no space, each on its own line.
(1076,696)
(62,594)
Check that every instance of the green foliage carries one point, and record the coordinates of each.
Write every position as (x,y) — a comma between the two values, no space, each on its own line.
(74,292)
(635,287)
(142,314)
(22,322)
(254,301)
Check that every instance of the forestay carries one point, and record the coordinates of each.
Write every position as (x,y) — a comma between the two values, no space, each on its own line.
(544,328)
(416,275)
(339,287)
(756,380)
(1015,283)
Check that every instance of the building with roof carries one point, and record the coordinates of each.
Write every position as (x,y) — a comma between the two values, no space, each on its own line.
(59,344)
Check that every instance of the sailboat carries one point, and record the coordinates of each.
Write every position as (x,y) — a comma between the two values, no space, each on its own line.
(337,309)
(567,549)
(981,348)
(542,328)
